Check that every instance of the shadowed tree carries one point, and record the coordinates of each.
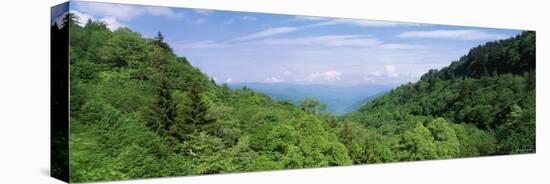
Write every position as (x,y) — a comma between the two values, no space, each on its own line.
(312,106)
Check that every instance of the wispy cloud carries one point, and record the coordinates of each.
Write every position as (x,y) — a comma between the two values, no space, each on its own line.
(324,22)
(308,18)
(328,76)
(203,11)
(342,41)
(266,33)
(391,71)
(361,23)
(339,41)
(326,40)
(114,15)
(82,17)
(248,18)
(453,34)
(273,80)
(321,21)
(125,12)
(161,11)
(111,22)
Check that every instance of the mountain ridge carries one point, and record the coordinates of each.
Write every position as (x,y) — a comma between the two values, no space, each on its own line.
(339,99)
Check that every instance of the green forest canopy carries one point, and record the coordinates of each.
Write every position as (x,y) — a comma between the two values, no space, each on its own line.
(138,111)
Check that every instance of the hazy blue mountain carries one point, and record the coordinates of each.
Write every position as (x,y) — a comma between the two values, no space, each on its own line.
(339,99)
(360,103)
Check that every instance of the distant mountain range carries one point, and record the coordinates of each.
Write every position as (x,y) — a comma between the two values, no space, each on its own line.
(339,99)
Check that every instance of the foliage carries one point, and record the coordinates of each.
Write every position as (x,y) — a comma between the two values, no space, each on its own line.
(491,88)
(138,111)
(312,106)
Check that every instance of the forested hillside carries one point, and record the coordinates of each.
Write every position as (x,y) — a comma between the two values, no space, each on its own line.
(138,111)
(488,95)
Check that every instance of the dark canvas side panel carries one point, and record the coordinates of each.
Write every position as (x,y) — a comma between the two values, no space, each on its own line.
(59,88)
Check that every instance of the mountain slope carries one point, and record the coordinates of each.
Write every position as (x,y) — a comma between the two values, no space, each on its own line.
(492,87)
(358,104)
(140,111)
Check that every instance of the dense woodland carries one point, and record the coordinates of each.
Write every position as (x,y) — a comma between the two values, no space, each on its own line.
(138,111)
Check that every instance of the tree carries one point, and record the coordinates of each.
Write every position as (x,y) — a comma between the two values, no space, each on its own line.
(123,49)
(418,144)
(312,106)
(197,119)
(473,141)
(293,158)
(445,138)
(70,19)
(159,41)
(162,114)
(517,134)
(346,134)
(380,153)
(331,120)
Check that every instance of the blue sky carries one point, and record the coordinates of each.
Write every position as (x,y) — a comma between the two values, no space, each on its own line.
(236,47)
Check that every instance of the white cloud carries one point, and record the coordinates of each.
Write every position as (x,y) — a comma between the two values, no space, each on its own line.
(308,63)
(362,23)
(326,40)
(358,41)
(125,12)
(287,73)
(245,18)
(203,11)
(282,30)
(325,22)
(162,11)
(353,22)
(248,18)
(273,80)
(107,9)
(82,17)
(229,80)
(453,34)
(309,18)
(329,76)
(391,71)
(112,23)
(266,33)
(376,73)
